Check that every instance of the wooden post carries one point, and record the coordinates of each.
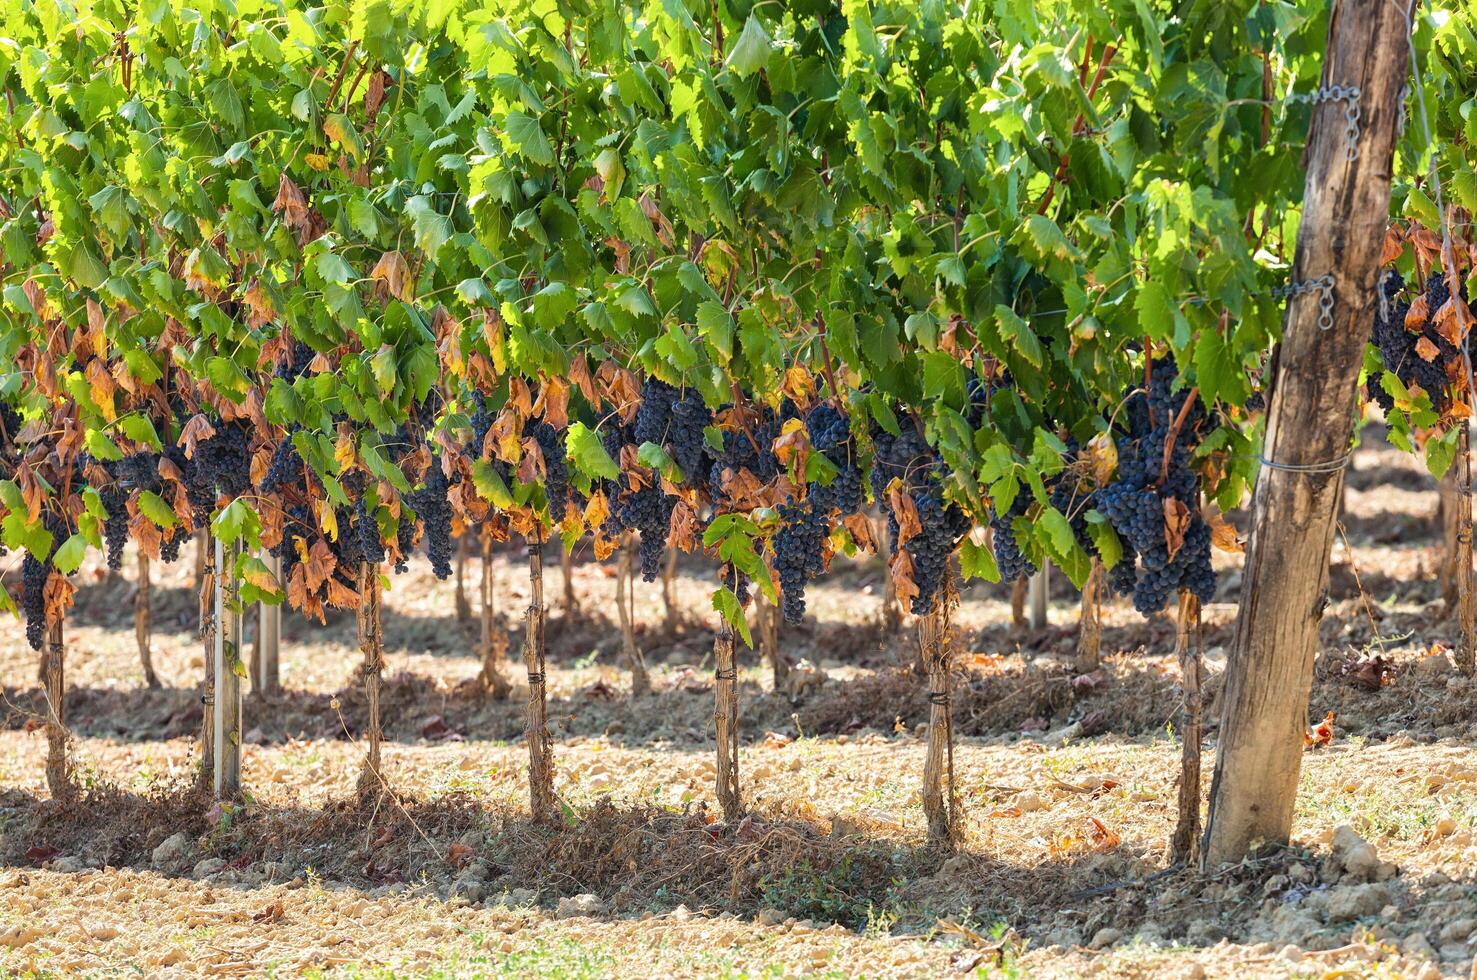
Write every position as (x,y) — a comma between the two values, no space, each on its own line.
(1018,590)
(1466,646)
(566,567)
(1448,513)
(463,606)
(372,646)
(58,774)
(624,603)
(494,637)
(935,648)
(143,622)
(767,621)
(1310,421)
(725,721)
(267,678)
(1187,648)
(540,760)
(1090,626)
(669,593)
(1040,587)
(208,627)
(892,610)
(226,780)
(204,558)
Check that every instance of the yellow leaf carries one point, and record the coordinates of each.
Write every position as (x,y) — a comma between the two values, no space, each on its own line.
(1102,453)
(317,161)
(328,520)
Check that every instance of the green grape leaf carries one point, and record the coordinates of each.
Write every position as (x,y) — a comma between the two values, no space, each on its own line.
(525,133)
(152,506)
(750,52)
(100,445)
(68,557)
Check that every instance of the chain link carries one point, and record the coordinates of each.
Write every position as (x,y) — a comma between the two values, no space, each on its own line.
(1338,93)
(1322,285)
(1385,308)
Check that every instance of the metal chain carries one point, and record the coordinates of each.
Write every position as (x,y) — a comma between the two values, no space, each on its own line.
(1338,93)
(1385,309)
(1322,285)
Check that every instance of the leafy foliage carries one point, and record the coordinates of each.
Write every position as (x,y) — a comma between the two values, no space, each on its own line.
(441,248)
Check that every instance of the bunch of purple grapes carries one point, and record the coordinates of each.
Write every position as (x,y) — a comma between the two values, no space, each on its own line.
(1135,503)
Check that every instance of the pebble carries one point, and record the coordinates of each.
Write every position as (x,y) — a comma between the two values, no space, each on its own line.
(580,906)
(207,867)
(173,851)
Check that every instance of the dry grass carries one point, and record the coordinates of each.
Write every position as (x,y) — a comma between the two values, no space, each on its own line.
(1067,786)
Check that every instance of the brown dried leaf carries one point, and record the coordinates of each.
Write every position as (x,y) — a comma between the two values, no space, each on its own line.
(261,461)
(519,397)
(262,579)
(1427,244)
(1222,533)
(579,376)
(58,594)
(392,275)
(95,337)
(531,468)
(654,215)
(33,491)
(637,475)
(297,587)
(196,429)
(1103,839)
(458,854)
(1176,523)
(36,294)
(1426,350)
(1450,318)
(374,94)
(259,305)
(619,388)
(1393,245)
(684,534)
(860,527)
(340,595)
(505,436)
(553,403)
(1418,314)
(320,565)
(291,203)
(901,570)
(145,533)
(271,913)
(905,512)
